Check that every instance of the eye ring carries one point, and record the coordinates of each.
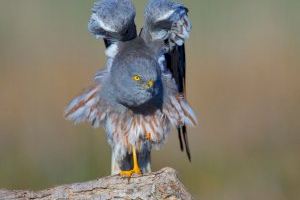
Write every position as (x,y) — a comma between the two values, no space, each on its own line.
(136,78)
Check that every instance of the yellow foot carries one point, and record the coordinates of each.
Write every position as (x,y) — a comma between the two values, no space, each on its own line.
(130,172)
(136,169)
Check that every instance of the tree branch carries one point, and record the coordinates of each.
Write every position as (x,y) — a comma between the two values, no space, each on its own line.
(163,184)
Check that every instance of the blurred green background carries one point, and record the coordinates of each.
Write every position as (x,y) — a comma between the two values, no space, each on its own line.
(243,81)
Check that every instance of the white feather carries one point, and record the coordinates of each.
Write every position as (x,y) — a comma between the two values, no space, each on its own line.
(102,24)
(188,109)
(165,16)
(162,63)
(112,51)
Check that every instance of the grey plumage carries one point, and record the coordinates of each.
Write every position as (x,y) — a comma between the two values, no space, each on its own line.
(135,95)
(113,20)
(168,21)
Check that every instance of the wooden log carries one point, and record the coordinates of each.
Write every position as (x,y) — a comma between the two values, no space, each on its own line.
(163,184)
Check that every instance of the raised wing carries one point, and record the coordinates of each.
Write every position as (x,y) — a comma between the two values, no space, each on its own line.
(168,21)
(113,20)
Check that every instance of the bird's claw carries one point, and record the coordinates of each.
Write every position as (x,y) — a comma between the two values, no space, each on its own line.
(129,173)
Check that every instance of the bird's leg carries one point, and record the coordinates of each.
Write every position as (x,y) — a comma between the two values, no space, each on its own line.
(136,169)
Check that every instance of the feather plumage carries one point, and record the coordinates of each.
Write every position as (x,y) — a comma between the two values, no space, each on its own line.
(113,20)
(168,21)
(132,114)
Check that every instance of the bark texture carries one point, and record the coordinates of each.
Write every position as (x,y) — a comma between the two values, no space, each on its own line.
(163,184)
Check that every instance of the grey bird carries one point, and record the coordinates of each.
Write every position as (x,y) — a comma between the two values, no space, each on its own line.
(136,97)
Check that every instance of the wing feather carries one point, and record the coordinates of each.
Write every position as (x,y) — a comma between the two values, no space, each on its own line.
(168,21)
(113,20)
(178,111)
(85,107)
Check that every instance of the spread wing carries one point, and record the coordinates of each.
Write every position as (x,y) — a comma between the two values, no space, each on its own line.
(89,106)
(113,20)
(168,21)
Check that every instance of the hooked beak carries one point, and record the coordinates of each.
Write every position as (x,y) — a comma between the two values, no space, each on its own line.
(149,84)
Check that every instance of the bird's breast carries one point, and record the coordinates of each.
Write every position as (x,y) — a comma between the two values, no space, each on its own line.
(132,128)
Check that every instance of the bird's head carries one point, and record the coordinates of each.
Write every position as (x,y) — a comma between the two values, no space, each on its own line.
(135,77)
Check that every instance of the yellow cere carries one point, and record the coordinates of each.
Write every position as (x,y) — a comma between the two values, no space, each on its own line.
(150,83)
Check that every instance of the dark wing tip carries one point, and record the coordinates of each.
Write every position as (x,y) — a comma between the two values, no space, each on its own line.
(180,138)
(186,142)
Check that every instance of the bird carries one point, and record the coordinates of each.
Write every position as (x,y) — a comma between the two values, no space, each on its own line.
(139,95)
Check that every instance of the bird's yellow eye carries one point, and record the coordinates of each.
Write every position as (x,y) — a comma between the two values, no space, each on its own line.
(136,78)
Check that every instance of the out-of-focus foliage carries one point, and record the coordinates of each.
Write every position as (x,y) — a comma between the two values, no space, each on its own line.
(243,82)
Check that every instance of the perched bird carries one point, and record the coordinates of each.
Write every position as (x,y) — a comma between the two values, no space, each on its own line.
(137,97)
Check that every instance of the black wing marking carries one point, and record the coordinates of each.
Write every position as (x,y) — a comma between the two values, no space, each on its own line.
(107,43)
(180,138)
(175,61)
(186,142)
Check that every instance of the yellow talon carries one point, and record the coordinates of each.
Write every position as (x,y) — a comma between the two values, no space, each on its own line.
(130,172)
(136,169)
